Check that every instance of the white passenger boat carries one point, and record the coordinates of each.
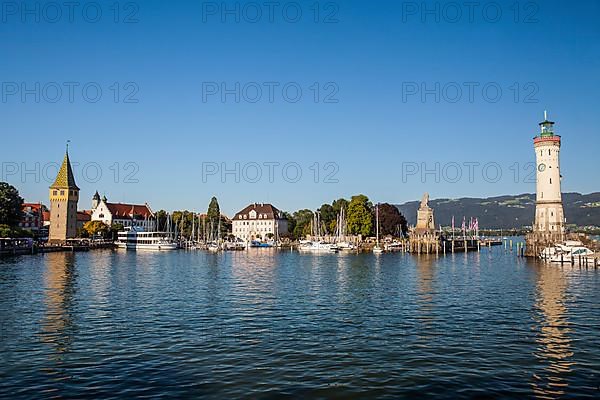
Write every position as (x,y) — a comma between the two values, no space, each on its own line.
(317,247)
(137,239)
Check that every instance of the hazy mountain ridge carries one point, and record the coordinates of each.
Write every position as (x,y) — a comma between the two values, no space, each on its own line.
(506,212)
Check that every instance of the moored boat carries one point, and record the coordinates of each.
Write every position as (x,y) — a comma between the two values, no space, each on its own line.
(317,246)
(377,249)
(138,239)
(569,252)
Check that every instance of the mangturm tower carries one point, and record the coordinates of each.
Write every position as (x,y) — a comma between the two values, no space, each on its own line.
(549,215)
(64,195)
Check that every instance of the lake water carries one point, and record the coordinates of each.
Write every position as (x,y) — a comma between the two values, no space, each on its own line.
(272,324)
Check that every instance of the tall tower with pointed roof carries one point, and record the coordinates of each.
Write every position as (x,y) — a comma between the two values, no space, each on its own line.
(64,195)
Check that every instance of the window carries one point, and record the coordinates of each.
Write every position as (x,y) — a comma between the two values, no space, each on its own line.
(62,192)
(551,181)
(55,192)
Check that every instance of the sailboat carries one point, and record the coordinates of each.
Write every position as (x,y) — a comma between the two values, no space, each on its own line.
(377,249)
(317,245)
(215,245)
(341,242)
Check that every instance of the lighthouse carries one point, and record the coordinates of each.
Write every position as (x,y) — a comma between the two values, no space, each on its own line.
(549,214)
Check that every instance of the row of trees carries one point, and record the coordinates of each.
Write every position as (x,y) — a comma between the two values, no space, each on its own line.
(93,229)
(360,218)
(208,225)
(11,205)
(359,212)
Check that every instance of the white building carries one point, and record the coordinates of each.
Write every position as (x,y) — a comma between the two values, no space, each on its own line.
(128,215)
(549,214)
(259,221)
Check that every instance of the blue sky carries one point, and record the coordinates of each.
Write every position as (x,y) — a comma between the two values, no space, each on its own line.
(365,56)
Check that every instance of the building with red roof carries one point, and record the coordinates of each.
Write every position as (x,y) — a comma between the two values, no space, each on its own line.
(259,221)
(128,215)
(32,218)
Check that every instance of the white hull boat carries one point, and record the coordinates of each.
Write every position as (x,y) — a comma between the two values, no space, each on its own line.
(138,239)
(317,247)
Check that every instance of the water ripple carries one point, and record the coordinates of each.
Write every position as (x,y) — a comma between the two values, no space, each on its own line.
(269,324)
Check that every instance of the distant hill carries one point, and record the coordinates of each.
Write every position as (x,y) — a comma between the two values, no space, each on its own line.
(506,212)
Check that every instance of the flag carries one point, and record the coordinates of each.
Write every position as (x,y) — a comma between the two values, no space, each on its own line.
(464,225)
(453,223)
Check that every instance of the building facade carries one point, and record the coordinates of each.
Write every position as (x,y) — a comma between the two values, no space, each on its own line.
(32,218)
(128,215)
(259,221)
(64,196)
(549,214)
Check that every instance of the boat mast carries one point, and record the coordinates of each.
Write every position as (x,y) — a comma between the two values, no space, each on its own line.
(377,218)
(193,227)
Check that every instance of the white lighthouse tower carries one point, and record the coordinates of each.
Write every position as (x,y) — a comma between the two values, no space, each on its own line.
(549,214)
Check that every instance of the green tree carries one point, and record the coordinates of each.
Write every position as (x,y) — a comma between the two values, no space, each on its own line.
(10,205)
(214,212)
(161,220)
(115,229)
(303,220)
(213,216)
(328,217)
(360,216)
(291,221)
(13,232)
(391,221)
(183,220)
(82,233)
(340,204)
(96,227)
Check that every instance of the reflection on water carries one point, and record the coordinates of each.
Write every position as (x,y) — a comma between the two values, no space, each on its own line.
(554,337)
(425,277)
(271,324)
(58,327)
